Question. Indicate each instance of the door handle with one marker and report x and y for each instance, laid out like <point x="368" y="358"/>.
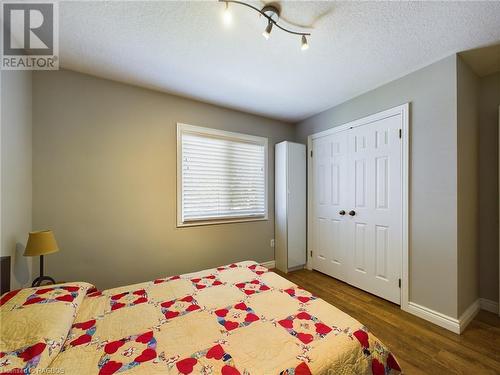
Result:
<point x="342" y="212"/>
<point x="352" y="212"/>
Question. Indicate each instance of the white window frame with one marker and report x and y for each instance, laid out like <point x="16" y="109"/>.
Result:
<point x="185" y="128"/>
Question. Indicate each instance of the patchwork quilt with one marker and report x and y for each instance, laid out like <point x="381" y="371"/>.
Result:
<point x="235" y="319"/>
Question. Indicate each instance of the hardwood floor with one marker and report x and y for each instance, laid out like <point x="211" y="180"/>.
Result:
<point x="421" y="347"/>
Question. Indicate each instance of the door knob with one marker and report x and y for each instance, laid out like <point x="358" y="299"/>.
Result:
<point x="342" y="212"/>
<point x="352" y="212"/>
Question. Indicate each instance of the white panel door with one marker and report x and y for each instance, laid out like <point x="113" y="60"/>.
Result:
<point x="329" y="210"/>
<point x="375" y="209"/>
<point x="358" y="171"/>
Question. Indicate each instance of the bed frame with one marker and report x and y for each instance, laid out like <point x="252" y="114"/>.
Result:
<point x="4" y="274"/>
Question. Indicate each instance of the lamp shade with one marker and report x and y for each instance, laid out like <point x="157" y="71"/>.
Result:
<point x="41" y="243"/>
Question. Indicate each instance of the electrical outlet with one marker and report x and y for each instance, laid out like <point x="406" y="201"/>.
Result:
<point x="272" y="242"/>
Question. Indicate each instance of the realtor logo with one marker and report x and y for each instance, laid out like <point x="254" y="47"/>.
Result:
<point x="30" y="36"/>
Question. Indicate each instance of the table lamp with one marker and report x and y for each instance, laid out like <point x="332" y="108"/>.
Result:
<point x="41" y="243"/>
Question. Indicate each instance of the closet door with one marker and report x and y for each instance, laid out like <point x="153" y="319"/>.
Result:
<point x="375" y="208"/>
<point x="357" y="206"/>
<point x="331" y="192"/>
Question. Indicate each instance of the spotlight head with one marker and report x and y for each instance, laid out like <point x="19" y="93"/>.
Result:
<point x="227" y="17"/>
<point x="304" y="44"/>
<point x="267" y="32"/>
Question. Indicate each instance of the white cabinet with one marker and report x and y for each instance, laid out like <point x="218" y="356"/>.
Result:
<point x="290" y="206"/>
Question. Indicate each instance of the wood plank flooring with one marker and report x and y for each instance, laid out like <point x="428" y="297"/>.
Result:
<point x="421" y="347"/>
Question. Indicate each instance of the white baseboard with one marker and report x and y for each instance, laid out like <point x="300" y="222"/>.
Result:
<point x="468" y="315"/>
<point x="488" y="305"/>
<point x="269" y="264"/>
<point x="435" y="317"/>
<point x="452" y="324"/>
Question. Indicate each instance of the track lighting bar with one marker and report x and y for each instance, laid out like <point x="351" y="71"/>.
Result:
<point x="271" y="21"/>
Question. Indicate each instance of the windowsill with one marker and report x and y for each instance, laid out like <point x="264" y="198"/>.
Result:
<point x="217" y="222"/>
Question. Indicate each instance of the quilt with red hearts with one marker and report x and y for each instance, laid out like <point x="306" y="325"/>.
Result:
<point x="234" y="319"/>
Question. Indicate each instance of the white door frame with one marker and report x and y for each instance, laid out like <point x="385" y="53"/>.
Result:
<point x="404" y="111"/>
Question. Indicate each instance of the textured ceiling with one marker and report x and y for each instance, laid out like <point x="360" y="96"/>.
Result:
<point x="184" y="48"/>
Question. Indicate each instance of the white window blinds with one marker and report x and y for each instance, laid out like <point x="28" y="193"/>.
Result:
<point x="223" y="175"/>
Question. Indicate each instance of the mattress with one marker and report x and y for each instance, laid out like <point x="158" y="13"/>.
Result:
<point x="235" y="319"/>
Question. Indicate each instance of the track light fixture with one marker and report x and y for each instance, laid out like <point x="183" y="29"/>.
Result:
<point x="272" y="14"/>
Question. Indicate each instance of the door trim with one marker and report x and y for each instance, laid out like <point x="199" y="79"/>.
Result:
<point x="404" y="111"/>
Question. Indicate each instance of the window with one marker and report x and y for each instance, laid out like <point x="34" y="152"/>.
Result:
<point x="221" y="176"/>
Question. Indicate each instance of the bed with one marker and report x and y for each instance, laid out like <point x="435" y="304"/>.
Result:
<point x="235" y="319"/>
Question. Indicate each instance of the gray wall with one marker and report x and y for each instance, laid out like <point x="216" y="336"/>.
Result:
<point x="468" y="186"/>
<point x="104" y="179"/>
<point x="433" y="173"/>
<point x="16" y="176"/>
<point x="488" y="185"/>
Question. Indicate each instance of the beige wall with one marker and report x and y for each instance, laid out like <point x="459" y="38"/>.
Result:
<point x="16" y="176"/>
<point x="433" y="173"/>
<point x="468" y="186"/>
<point x="488" y="184"/>
<point x="104" y="179"/>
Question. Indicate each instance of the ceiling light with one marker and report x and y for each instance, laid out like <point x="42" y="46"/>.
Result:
<point x="227" y="16"/>
<point x="267" y="32"/>
<point x="304" y="45"/>
<point x="272" y="13"/>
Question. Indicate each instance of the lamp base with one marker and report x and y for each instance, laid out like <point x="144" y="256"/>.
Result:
<point x="38" y="281"/>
